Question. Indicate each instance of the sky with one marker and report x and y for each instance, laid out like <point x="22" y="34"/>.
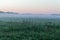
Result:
<point x="30" y="6"/>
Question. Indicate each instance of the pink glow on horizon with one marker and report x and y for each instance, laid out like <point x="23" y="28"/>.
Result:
<point x="30" y="6"/>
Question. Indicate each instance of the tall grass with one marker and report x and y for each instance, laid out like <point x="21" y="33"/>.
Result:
<point x="29" y="29"/>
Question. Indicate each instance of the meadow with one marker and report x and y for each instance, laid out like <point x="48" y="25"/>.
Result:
<point x="30" y="29"/>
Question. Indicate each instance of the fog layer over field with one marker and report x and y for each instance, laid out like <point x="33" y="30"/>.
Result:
<point x="13" y="15"/>
<point x="17" y="16"/>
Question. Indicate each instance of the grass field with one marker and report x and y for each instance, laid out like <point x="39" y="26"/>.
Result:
<point x="30" y="29"/>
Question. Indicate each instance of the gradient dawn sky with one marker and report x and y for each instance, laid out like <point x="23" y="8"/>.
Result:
<point x="33" y="6"/>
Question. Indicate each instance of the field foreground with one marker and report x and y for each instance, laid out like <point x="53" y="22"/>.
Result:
<point x="30" y="30"/>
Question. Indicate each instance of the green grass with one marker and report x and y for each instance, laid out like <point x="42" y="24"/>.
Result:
<point x="30" y="30"/>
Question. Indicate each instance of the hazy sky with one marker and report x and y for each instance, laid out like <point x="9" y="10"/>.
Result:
<point x="30" y="5"/>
